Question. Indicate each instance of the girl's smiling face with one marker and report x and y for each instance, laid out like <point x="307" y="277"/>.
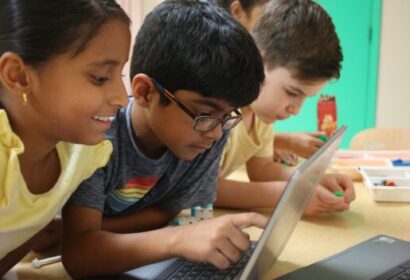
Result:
<point x="73" y="97"/>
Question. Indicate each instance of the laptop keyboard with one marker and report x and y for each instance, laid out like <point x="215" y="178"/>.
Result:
<point x="201" y="271"/>
<point x="401" y="272"/>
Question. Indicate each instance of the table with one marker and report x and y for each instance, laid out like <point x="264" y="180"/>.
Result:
<point x="318" y="237"/>
<point x="314" y="238"/>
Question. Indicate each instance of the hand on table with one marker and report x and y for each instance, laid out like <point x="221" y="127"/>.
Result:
<point x="324" y="199"/>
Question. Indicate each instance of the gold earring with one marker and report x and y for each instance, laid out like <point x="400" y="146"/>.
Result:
<point x="25" y="100"/>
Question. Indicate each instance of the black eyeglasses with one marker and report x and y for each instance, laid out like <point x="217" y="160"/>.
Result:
<point x="201" y="123"/>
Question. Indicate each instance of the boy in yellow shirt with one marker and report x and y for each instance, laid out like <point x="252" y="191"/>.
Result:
<point x="301" y="54"/>
<point x="287" y="146"/>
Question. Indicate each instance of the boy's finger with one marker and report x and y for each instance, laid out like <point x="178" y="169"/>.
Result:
<point x="317" y="133"/>
<point x="219" y="260"/>
<point x="350" y="194"/>
<point x="245" y="220"/>
<point x="239" y="240"/>
<point x="329" y="198"/>
<point x="317" y="142"/>
<point x="230" y="251"/>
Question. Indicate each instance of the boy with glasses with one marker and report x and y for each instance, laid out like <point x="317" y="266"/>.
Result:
<point x="192" y="67"/>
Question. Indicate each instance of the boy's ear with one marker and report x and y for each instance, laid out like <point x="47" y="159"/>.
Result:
<point x="237" y="11"/>
<point x="14" y="74"/>
<point x="142" y="89"/>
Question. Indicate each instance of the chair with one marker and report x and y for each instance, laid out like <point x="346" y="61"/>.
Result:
<point x="381" y="139"/>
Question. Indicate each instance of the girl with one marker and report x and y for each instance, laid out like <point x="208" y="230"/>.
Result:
<point x="60" y="84"/>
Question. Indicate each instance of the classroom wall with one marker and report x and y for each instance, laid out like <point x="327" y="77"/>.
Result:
<point x="136" y="10"/>
<point x="393" y="102"/>
<point x="393" y="98"/>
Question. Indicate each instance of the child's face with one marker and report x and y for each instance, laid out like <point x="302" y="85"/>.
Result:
<point x="246" y="19"/>
<point x="174" y="128"/>
<point x="249" y="21"/>
<point x="72" y="97"/>
<point x="283" y="95"/>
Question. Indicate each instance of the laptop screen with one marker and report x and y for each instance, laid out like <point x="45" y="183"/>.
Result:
<point x="290" y="207"/>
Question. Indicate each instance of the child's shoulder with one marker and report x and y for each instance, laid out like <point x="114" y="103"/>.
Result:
<point x="8" y="139"/>
<point x="88" y="156"/>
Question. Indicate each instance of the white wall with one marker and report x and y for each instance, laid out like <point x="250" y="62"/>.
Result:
<point x="393" y="102"/>
<point x="136" y="10"/>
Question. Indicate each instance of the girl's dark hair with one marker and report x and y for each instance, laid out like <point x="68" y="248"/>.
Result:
<point x="247" y="5"/>
<point x="38" y="30"/>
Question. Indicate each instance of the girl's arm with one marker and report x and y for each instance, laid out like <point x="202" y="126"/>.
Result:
<point x="12" y="258"/>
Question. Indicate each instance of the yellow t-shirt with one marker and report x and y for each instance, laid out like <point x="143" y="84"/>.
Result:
<point x="242" y="146"/>
<point x="23" y="214"/>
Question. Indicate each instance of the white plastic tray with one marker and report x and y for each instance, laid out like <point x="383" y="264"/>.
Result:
<point x="375" y="177"/>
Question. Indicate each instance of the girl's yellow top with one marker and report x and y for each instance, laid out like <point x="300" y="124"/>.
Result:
<point x="23" y="214"/>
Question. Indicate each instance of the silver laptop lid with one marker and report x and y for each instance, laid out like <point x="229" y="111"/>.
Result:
<point x="290" y="207"/>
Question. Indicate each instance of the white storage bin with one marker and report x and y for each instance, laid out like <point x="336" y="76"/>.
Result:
<point x="375" y="177"/>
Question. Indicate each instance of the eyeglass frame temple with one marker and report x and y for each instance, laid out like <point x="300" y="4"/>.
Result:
<point x="172" y="98"/>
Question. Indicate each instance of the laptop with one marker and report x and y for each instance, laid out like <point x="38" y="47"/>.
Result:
<point x="255" y="263"/>
<point x="379" y="258"/>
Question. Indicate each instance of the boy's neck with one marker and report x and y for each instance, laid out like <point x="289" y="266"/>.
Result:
<point x="143" y="135"/>
<point x="248" y="117"/>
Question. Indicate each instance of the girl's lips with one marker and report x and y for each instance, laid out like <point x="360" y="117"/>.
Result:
<point x="104" y="119"/>
<point x="105" y="122"/>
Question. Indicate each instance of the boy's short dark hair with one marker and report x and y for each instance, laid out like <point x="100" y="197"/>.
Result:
<point x="193" y="45"/>
<point x="299" y="35"/>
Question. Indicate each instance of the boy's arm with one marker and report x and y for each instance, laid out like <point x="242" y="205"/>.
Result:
<point x="246" y="195"/>
<point x="234" y="194"/>
<point x="87" y="250"/>
<point x="146" y="219"/>
<point x="263" y="169"/>
<point x="302" y="144"/>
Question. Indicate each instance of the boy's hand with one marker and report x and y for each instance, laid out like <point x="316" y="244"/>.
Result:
<point x="339" y="182"/>
<point x="325" y="201"/>
<point x="305" y="144"/>
<point x="285" y="156"/>
<point x="219" y="241"/>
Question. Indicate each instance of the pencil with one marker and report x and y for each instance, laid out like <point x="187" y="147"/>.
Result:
<point x="37" y="263"/>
